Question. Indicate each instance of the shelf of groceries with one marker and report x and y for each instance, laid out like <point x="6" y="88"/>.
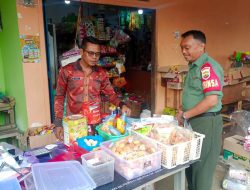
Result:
<point x="124" y="151"/>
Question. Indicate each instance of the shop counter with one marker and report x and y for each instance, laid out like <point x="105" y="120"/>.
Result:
<point x="120" y="183"/>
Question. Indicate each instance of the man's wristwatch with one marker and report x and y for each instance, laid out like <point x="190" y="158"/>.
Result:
<point x="184" y="115"/>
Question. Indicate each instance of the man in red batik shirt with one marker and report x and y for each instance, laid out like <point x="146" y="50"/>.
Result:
<point x="82" y="82"/>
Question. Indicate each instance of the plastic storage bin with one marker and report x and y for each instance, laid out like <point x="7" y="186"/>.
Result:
<point x="100" y="166"/>
<point x="131" y="169"/>
<point x="61" y="176"/>
<point x="106" y="136"/>
<point x="13" y="150"/>
<point x="10" y="184"/>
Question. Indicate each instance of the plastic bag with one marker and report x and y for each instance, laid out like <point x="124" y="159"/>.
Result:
<point x="145" y="114"/>
<point x="238" y="174"/>
<point x="187" y="125"/>
<point x="228" y="184"/>
<point x="242" y="119"/>
<point x="236" y="178"/>
<point x="180" y="135"/>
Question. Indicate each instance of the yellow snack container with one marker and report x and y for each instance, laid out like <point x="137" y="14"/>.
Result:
<point x="75" y="126"/>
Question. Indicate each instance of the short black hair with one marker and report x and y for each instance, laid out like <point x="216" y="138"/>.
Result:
<point x="198" y="35"/>
<point x="89" y="39"/>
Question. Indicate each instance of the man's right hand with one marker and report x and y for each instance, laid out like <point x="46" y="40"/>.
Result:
<point x="59" y="133"/>
<point x="179" y="117"/>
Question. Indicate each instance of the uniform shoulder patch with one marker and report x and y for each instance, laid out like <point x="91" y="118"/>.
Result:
<point x="210" y="80"/>
<point x="205" y="72"/>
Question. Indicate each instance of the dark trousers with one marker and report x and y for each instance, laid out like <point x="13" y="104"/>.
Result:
<point x="92" y="129"/>
<point x="200" y="174"/>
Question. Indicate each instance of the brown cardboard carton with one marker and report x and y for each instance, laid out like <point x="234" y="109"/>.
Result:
<point x="233" y="149"/>
<point x="135" y="108"/>
<point x="233" y="93"/>
<point x="247" y="97"/>
<point x="173" y="75"/>
<point x="105" y="108"/>
<point x="173" y="69"/>
<point x="35" y="141"/>
<point x="174" y="85"/>
<point x="237" y="75"/>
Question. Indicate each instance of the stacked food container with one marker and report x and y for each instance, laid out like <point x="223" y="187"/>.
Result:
<point x="134" y="156"/>
<point x="59" y="176"/>
<point x="100" y="166"/>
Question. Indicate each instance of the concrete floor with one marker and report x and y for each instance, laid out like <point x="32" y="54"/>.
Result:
<point x="167" y="184"/>
<point x="220" y="172"/>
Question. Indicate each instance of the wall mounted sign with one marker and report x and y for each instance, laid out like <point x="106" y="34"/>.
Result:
<point x="30" y="48"/>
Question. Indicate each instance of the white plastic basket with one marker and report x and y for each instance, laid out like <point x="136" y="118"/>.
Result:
<point x="174" y="155"/>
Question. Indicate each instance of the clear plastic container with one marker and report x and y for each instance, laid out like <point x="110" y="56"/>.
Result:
<point x="61" y="176"/>
<point x="8" y="147"/>
<point x="100" y="166"/>
<point x="10" y="184"/>
<point x="131" y="169"/>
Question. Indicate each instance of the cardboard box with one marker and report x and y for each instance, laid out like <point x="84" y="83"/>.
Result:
<point x="233" y="93"/>
<point x="233" y="149"/>
<point x="173" y="69"/>
<point x="237" y="75"/>
<point x="173" y="75"/>
<point x="247" y="96"/>
<point x="133" y="105"/>
<point x="174" y="85"/>
<point x="40" y="140"/>
<point x="105" y="108"/>
<point x="135" y="108"/>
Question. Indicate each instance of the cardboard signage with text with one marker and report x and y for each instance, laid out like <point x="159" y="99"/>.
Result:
<point x="233" y="149"/>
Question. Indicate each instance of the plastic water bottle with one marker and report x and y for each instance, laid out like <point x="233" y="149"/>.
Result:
<point x="231" y="185"/>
